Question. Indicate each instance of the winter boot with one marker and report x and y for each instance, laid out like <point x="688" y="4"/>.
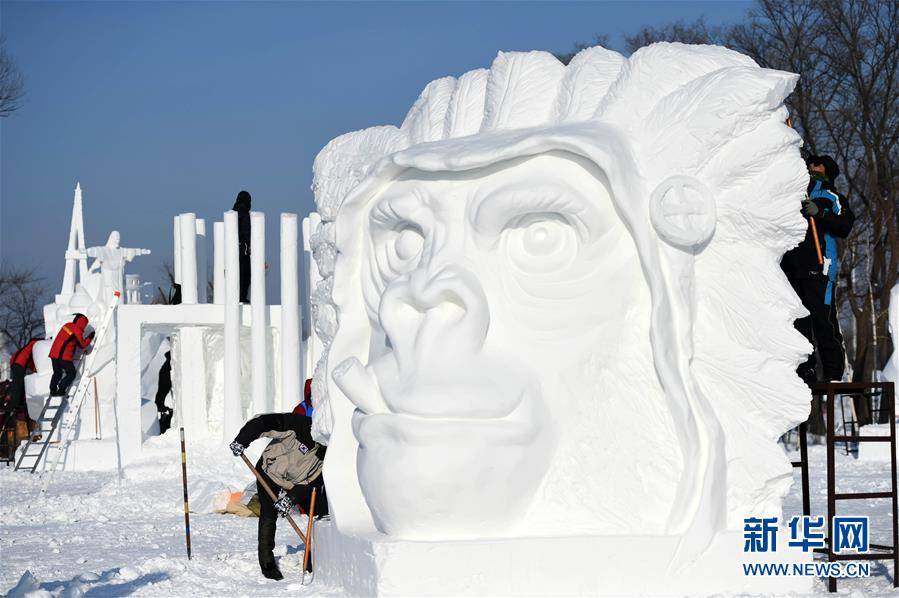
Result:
<point x="271" y="571"/>
<point x="165" y="419"/>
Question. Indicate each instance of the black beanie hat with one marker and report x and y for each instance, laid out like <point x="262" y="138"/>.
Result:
<point x="830" y="165"/>
<point x="242" y="203"/>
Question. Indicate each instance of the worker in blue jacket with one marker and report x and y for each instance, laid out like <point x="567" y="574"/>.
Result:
<point x="815" y="280"/>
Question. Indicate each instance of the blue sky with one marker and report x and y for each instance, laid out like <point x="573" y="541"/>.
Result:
<point x="166" y="107"/>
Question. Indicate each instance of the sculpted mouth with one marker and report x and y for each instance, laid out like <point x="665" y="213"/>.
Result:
<point x="360" y="386"/>
<point x="374" y="419"/>
<point x="428" y="431"/>
<point x="468" y="397"/>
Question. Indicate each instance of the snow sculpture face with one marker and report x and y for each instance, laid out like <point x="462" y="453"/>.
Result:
<point x="457" y="266"/>
<point x="547" y="301"/>
<point x="113" y="240"/>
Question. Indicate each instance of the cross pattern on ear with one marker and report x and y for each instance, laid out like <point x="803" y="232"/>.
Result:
<point x="682" y="211"/>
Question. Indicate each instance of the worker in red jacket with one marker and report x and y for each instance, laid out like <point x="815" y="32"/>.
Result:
<point x="20" y="364"/>
<point x="305" y="408"/>
<point x="62" y="353"/>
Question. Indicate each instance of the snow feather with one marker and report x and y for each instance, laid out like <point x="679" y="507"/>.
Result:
<point x="521" y="90"/>
<point x="466" y="107"/>
<point x="690" y="124"/>
<point x="424" y="122"/>
<point x="653" y="72"/>
<point x="587" y="79"/>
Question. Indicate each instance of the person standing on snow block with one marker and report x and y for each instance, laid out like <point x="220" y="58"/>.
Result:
<point x="62" y="353"/>
<point x="19" y="365"/>
<point x="291" y="463"/>
<point x="815" y="283"/>
<point x="242" y="207"/>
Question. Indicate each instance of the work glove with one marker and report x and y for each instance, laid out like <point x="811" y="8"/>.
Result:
<point x="283" y="505"/>
<point x="810" y="208"/>
<point x="237" y="448"/>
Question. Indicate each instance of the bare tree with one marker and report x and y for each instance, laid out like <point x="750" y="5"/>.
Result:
<point x="162" y="297"/>
<point x="697" y="32"/>
<point x="12" y="82"/>
<point x="21" y="300"/>
<point x="165" y="297"/>
<point x="598" y="40"/>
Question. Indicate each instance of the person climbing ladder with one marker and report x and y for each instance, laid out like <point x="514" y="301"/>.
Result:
<point x="62" y="353"/>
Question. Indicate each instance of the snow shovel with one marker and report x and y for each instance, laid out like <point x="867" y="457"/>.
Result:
<point x="273" y="496"/>
<point x="307" y="551"/>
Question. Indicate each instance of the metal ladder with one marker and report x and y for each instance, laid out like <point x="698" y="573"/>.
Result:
<point x="831" y="390"/>
<point x="63" y="410"/>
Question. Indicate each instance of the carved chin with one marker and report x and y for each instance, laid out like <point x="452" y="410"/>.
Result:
<point x="430" y="478"/>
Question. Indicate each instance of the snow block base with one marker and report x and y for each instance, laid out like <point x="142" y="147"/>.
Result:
<point x="568" y="566"/>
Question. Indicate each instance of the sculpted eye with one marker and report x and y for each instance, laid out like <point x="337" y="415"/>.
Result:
<point x="540" y="242"/>
<point x="408" y="244"/>
<point x="399" y="250"/>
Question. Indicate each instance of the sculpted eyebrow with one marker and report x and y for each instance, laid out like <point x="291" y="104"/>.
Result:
<point x="393" y="208"/>
<point x="497" y="207"/>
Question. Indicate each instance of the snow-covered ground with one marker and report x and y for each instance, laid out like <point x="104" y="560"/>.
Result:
<point x="94" y="535"/>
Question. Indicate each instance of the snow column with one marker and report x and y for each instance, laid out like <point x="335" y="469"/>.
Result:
<point x="188" y="259"/>
<point x="262" y="403"/>
<point x="202" y="265"/>
<point x="188" y="381"/>
<point x="290" y="324"/>
<point x="313" y="348"/>
<point x="233" y="416"/>
<point x="177" y="257"/>
<point x="218" y="263"/>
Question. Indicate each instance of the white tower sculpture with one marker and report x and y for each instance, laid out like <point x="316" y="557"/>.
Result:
<point x="76" y="242"/>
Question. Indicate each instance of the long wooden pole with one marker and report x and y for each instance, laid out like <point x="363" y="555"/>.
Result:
<point x="307" y="550"/>
<point x="184" y="482"/>
<point x="273" y="496"/>
<point x="811" y="220"/>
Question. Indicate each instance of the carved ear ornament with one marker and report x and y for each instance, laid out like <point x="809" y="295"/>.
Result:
<point x="682" y="211"/>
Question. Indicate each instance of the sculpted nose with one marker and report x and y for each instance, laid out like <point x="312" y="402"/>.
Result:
<point x="435" y="312"/>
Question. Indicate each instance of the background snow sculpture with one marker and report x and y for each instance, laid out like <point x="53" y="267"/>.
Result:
<point x="111" y="259"/>
<point x="556" y="290"/>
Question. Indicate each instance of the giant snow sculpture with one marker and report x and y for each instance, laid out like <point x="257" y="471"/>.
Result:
<point x="552" y="304"/>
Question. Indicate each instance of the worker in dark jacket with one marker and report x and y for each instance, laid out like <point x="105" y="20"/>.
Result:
<point x="163" y="388"/>
<point x="291" y="464"/>
<point x="242" y="207"/>
<point x="21" y="363"/>
<point x="815" y="282"/>
<point x="62" y="353"/>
